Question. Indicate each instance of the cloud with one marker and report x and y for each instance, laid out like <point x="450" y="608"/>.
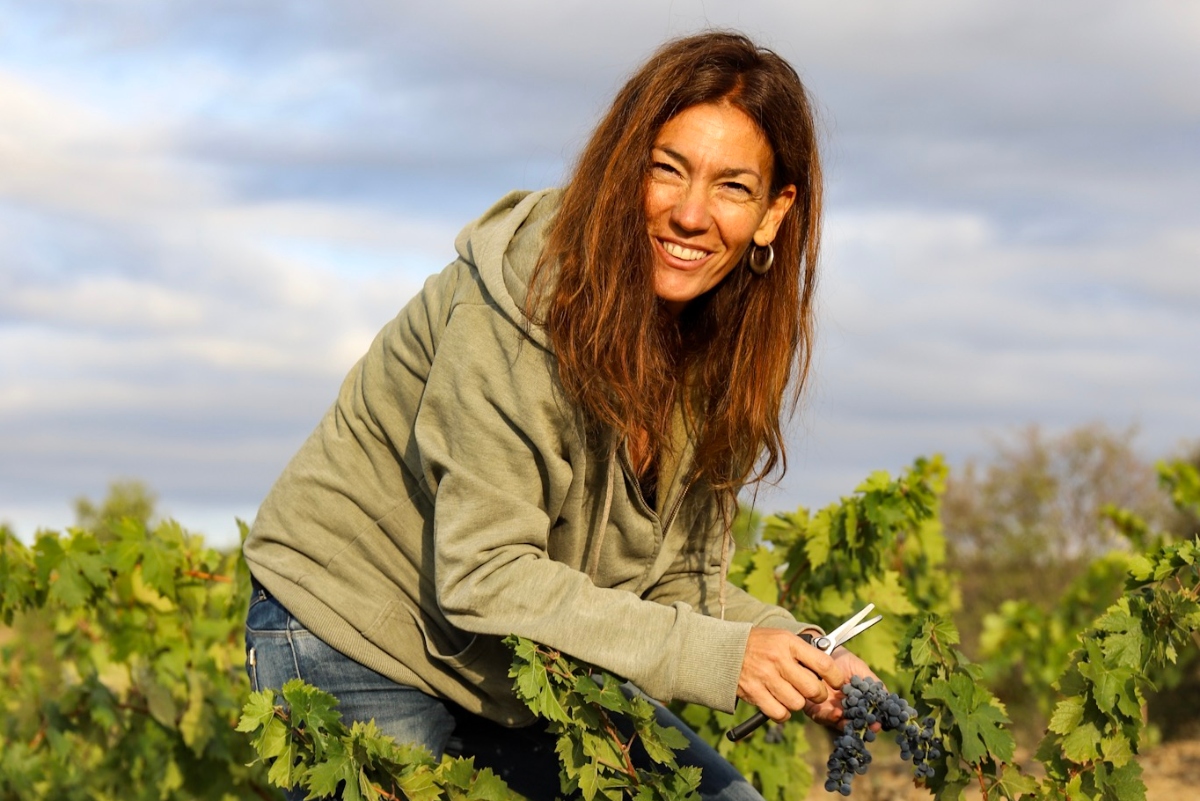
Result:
<point x="208" y="208"/>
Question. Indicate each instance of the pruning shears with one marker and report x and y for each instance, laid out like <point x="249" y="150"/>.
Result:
<point x="839" y="636"/>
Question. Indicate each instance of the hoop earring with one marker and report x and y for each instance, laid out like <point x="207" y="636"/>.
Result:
<point x="758" y="263"/>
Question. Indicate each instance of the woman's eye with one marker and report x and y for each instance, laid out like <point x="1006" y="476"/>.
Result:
<point x="660" y="166"/>
<point x="740" y="188"/>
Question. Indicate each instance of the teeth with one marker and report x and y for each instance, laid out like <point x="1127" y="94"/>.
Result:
<point x="680" y="252"/>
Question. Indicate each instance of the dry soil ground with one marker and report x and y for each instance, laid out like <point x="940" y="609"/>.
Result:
<point x="1171" y="772"/>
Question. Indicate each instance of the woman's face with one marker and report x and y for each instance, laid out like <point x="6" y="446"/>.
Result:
<point x="707" y="199"/>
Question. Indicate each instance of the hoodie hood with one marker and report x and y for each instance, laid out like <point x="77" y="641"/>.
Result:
<point x="504" y="246"/>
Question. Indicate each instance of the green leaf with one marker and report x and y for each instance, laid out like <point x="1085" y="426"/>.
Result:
<point x="1141" y="567"/>
<point x="926" y="636"/>
<point x="1108" y="684"/>
<point x="324" y="777"/>
<point x="1122" y="646"/>
<point x="489" y="787"/>
<point x="259" y="708"/>
<point x="159" y="563"/>
<point x="1067" y="715"/>
<point x="818" y="542"/>
<point x="761" y="581"/>
<point x="609" y="697"/>
<point x="879" y="480"/>
<point x="1014" y="784"/>
<point x="159" y="701"/>
<point x="1116" y="749"/>
<point x="273" y="740"/>
<point x="283" y="770"/>
<point x="1083" y="744"/>
<point x="172" y="779"/>
<point x="888" y="596"/>
<point x="1125" y="784"/>
<point x="196" y="725"/>
<point x="851" y="525"/>
<point x="458" y="772"/>
<point x="69" y="586"/>
<point x="419" y="786"/>
<point x="977" y="716"/>
<point x="589" y="780"/>
<point x="661" y="743"/>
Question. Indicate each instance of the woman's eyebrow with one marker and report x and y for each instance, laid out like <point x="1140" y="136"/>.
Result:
<point x="728" y="172"/>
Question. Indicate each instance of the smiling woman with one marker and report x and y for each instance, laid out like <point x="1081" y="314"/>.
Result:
<point x="549" y="440"/>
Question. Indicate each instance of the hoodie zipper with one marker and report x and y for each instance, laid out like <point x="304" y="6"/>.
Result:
<point x="666" y="522"/>
<point x="670" y="518"/>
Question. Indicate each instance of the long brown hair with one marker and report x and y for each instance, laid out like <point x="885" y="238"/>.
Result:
<point x="733" y="352"/>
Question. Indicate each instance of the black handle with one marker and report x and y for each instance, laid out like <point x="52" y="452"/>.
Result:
<point x="749" y="726"/>
<point x="746" y="727"/>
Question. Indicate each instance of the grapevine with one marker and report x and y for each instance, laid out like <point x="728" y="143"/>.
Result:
<point x="300" y="734"/>
<point x="597" y="725"/>
<point x="123" y="671"/>
<point x="881" y="544"/>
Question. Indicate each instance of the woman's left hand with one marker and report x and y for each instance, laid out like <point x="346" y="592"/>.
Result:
<point x="829" y="712"/>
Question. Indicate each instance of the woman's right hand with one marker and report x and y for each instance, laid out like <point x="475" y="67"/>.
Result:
<point x="781" y="673"/>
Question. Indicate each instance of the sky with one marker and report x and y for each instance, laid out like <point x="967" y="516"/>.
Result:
<point x="207" y="209"/>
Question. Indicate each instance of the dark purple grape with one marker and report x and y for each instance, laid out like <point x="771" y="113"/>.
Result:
<point x="866" y="702"/>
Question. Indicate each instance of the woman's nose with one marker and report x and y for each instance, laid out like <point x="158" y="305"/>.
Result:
<point x="691" y="211"/>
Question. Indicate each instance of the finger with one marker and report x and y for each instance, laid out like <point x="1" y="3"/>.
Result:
<point x="807" y="684"/>
<point x="820" y="663"/>
<point x="827" y="714"/>
<point x="767" y="703"/>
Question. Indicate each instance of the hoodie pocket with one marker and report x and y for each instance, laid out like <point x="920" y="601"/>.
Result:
<point x="399" y="628"/>
<point x="465" y="666"/>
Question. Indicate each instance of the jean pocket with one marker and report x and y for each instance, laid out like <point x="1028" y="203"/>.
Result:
<point x="266" y="614"/>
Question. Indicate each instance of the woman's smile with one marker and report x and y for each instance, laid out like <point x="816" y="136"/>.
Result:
<point x="683" y="253"/>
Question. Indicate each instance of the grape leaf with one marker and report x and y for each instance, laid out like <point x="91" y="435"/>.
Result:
<point x="1014" y="784"/>
<point x="1116" y="749"/>
<point x="196" y="725"/>
<point x="889" y="597"/>
<point x="977" y="716"/>
<point x="487" y="786"/>
<point x="258" y="709"/>
<point x="324" y="777"/>
<point x="761" y="581"/>
<point x="818" y="542"/>
<point x="1067" y="715"/>
<point x="1082" y="745"/>
<point x="1125" y="784"/>
<point x="589" y="780"/>
<point x="419" y="786"/>
<point x="850" y="524"/>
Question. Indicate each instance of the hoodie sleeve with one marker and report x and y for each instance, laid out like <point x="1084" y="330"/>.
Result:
<point x="696" y="577"/>
<point x="497" y="441"/>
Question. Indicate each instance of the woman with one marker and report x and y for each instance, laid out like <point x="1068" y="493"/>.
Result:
<point x="550" y="438"/>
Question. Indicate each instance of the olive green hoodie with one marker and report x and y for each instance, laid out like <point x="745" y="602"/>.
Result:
<point x="451" y="496"/>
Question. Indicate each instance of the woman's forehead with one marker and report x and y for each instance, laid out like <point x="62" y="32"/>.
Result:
<point x="718" y="135"/>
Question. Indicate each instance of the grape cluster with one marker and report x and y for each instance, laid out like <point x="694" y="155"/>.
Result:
<point x="866" y="702"/>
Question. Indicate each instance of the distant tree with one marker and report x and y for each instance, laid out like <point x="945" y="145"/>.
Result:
<point x="1185" y="521"/>
<point x="1026" y="522"/>
<point x="126" y="500"/>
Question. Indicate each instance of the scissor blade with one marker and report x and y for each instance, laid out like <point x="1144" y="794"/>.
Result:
<point x="838" y="634"/>
<point x="842" y="639"/>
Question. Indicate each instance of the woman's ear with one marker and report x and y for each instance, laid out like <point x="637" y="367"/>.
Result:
<point x="776" y="210"/>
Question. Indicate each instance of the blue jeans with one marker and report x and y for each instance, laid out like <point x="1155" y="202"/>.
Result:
<point x="279" y="648"/>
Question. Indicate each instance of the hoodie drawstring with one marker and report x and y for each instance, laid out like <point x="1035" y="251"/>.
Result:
<point x="726" y="550"/>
